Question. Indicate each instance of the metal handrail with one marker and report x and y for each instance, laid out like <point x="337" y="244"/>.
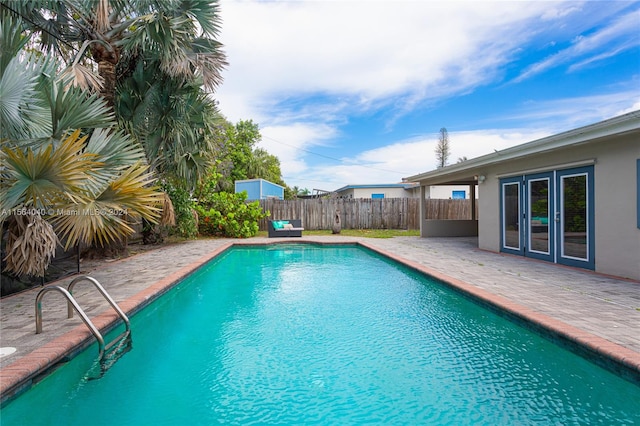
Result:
<point x="102" y="291"/>
<point x="70" y="303"/>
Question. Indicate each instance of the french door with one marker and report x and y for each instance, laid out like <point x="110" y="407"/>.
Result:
<point x="549" y="216"/>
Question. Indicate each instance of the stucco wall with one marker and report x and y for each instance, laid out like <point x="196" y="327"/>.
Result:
<point x="388" y="192"/>
<point x="616" y="229"/>
<point x="446" y="191"/>
<point x="617" y="237"/>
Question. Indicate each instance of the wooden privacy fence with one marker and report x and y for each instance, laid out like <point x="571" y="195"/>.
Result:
<point x="363" y="213"/>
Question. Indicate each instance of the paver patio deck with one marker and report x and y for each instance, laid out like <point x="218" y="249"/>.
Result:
<point x="600" y="310"/>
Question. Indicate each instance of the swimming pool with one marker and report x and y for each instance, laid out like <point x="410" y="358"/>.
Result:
<point x="337" y="335"/>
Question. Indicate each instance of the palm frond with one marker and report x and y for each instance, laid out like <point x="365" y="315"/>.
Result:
<point x="53" y="22"/>
<point x="22" y="110"/>
<point x="205" y="12"/>
<point x="114" y="151"/>
<point x="73" y="108"/>
<point x="80" y="75"/>
<point x="104" y="219"/>
<point x="42" y="178"/>
<point x="91" y="222"/>
<point x="31" y="243"/>
<point x="102" y="21"/>
<point x="168" y="217"/>
<point x="12" y="39"/>
<point x="208" y="58"/>
<point x="134" y="192"/>
<point x="114" y="148"/>
<point x="83" y="77"/>
<point x="169" y="36"/>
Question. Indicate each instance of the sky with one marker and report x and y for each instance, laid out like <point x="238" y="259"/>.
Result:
<point x="355" y="92"/>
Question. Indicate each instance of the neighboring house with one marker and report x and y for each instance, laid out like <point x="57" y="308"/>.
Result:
<point x="453" y="192"/>
<point x="571" y="198"/>
<point x="259" y="189"/>
<point x="389" y="190"/>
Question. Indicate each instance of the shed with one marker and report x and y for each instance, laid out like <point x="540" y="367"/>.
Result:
<point x="259" y="189"/>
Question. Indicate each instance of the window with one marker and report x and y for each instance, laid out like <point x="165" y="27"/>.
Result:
<point x="377" y="195"/>
<point x="459" y="195"/>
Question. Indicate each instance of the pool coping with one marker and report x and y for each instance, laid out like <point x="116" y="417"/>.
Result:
<point x="20" y="375"/>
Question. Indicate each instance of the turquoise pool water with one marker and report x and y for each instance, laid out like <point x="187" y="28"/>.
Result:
<point x="315" y="335"/>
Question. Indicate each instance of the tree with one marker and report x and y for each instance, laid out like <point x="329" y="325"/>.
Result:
<point x="174" y="122"/>
<point x="152" y="57"/>
<point x="234" y="154"/>
<point x="265" y="166"/>
<point x="442" y="148"/>
<point x="179" y="35"/>
<point x="67" y="173"/>
<point x="149" y="60"/>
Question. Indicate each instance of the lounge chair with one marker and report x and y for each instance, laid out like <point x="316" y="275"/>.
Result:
<point x="285" y="228"/>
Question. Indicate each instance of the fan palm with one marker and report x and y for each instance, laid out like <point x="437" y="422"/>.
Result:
<point x="178" y="34"/>
<point x="173" y="121"/>
<point x="152" y="57"/>
<point x="64" y="167"/>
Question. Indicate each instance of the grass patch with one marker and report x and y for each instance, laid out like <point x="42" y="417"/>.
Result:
<point x="365" y="233"/>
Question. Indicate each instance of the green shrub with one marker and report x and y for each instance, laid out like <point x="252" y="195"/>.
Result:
<point x="229" y="215"/>
<point x="183" y="207"/>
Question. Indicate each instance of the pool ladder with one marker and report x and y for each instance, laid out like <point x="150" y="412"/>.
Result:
<point x="109" y="353"/>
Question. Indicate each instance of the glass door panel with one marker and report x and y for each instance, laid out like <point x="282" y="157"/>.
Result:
<point x="539" y="216"/>
<point x="511" y="214"/>
<point x="575" y="199"/>
<point x="574" y="216"/>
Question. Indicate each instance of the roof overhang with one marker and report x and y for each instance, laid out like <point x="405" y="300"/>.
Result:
<point x="466" y="172"/>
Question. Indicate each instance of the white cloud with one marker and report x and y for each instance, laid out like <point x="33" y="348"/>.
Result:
<point x="366" y="51"/>
<point x="619" y="36"/>
<point x="290" y="143"/>
<point x="634" y="107"/>
<point x="302" y="69"/>
<point x="389" y="164"/>
<point x="568" y="113"/>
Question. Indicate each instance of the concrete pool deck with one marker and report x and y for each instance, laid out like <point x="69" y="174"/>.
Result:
<point x="598" y="313"/>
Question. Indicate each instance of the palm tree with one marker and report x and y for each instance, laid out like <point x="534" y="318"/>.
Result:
<point x="67" y="172"/>
<point x="105" y="43"/>
<point x="152" y="58"/>
<point x="264" y="165"/>
<point x="178" y="34"/>
<point x="173" y="121"/>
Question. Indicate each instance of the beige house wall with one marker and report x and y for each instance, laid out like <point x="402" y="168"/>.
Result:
<point x="617" y="237"/>
<point x="445" y="192"/>
<point x="616" y="229"/>
<point x="388" y="192"/>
